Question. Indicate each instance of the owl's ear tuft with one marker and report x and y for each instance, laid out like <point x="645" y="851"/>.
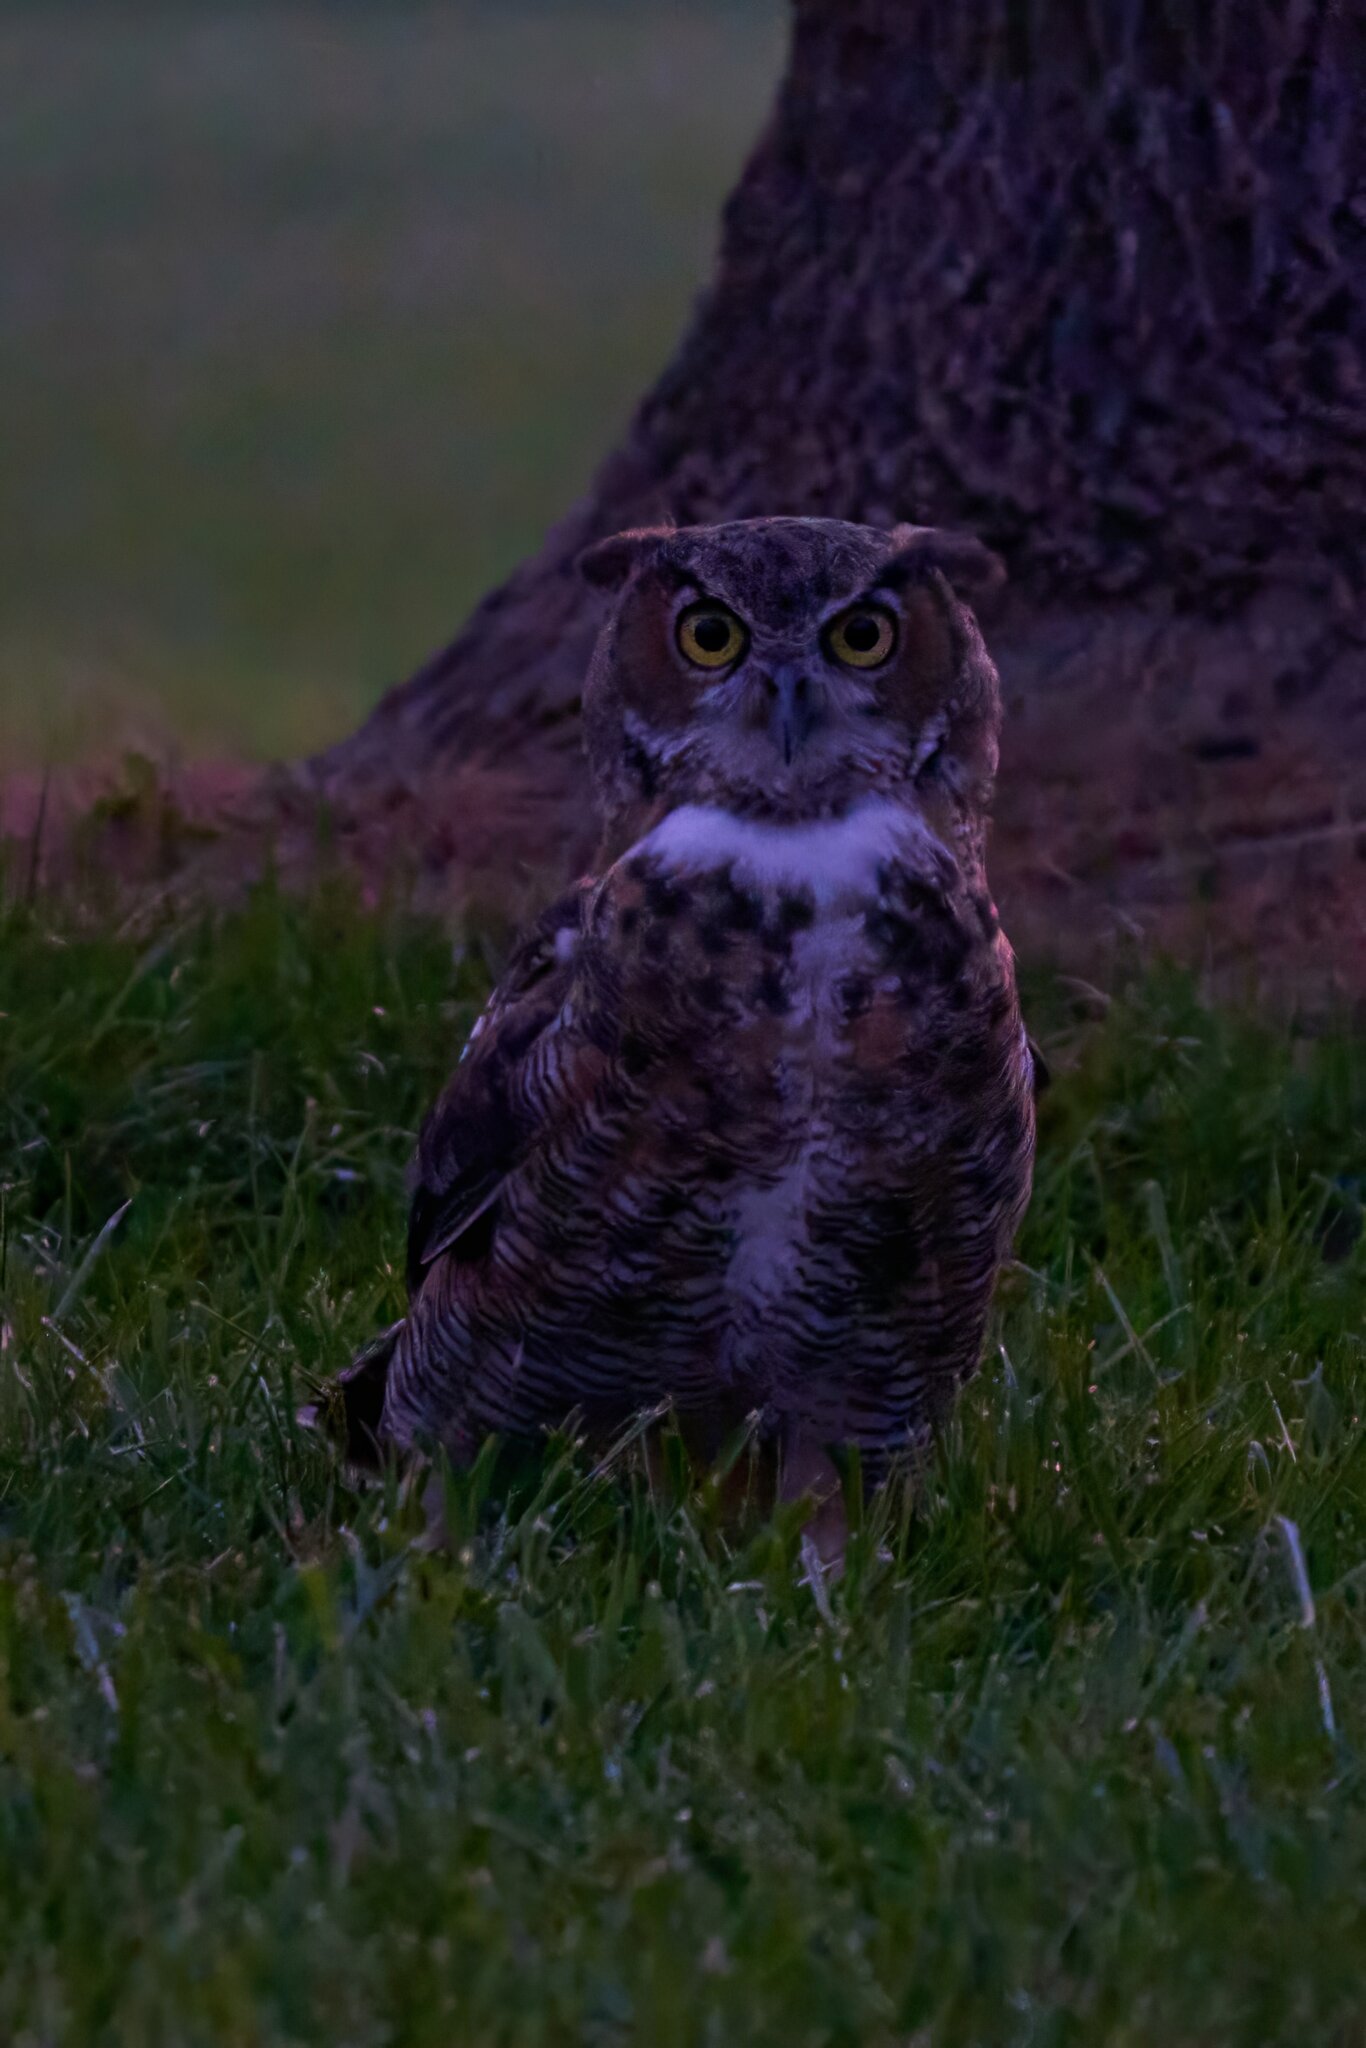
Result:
<point x="608" y="563"/>
<point x="967" y="565"/>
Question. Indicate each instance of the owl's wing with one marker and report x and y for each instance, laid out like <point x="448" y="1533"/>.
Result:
<point x="479" y="1128"/>
<point x="469" y="1143"/>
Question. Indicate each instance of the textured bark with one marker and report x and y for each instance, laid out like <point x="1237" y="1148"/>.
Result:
<point x="1089" y="278"/>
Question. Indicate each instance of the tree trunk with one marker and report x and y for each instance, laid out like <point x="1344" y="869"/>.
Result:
<point x="1085" y="276"/>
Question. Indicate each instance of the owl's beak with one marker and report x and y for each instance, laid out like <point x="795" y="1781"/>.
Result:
<point x="791" y="713"/>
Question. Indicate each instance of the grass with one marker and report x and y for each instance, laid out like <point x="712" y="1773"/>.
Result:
<point x="1072" y="1755"/>
<point x="314" y="314"/>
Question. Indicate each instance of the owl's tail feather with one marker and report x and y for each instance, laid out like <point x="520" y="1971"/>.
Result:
<point x="350" y="1408"/>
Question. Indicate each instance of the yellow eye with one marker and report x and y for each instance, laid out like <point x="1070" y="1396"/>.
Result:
<point x="710" y="636"/>
<point x="863" y="637"/>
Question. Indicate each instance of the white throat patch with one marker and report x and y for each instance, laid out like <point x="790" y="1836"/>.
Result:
<point x="835" y="858"/>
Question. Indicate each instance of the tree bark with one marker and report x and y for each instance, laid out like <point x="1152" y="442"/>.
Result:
<point x="1086" y="277"/>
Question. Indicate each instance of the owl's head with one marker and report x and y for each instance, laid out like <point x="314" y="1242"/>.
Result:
<point x="787" y="668"/>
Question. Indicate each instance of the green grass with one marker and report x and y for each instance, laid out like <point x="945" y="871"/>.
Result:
<point x="1067" y="1759"/>
<point x="314" y="314"/>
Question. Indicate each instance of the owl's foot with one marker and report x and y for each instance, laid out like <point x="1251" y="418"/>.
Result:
<point x="808" y="1473"/>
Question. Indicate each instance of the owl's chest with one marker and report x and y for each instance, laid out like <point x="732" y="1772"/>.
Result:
<point x="793" y="1006"/>
<point x="790" y="1041"/>
<point x="787" y="995"/>
<point x="784" y="972"/>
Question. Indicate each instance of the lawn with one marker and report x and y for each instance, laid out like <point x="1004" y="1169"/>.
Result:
<point x="313" y="315"/>
<point x="1072" y="1754"/>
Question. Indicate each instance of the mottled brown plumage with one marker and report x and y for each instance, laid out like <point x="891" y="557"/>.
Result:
<point x="748" y="1124"/>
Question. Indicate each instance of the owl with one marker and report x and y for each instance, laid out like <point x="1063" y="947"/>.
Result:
<point x="748" y="1124"/>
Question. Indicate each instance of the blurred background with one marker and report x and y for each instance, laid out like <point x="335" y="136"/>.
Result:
<point x="312" y="317"/>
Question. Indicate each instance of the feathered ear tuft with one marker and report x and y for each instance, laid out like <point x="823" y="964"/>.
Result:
<point x="966" y="564"/>
<point x="608" y="563"/>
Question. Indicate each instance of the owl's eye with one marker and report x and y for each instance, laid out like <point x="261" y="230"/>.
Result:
<point x="710" y="636"/>
<point x="863" y="637"/>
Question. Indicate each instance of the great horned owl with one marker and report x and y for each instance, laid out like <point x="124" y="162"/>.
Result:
<point x="748" y="1124"/>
